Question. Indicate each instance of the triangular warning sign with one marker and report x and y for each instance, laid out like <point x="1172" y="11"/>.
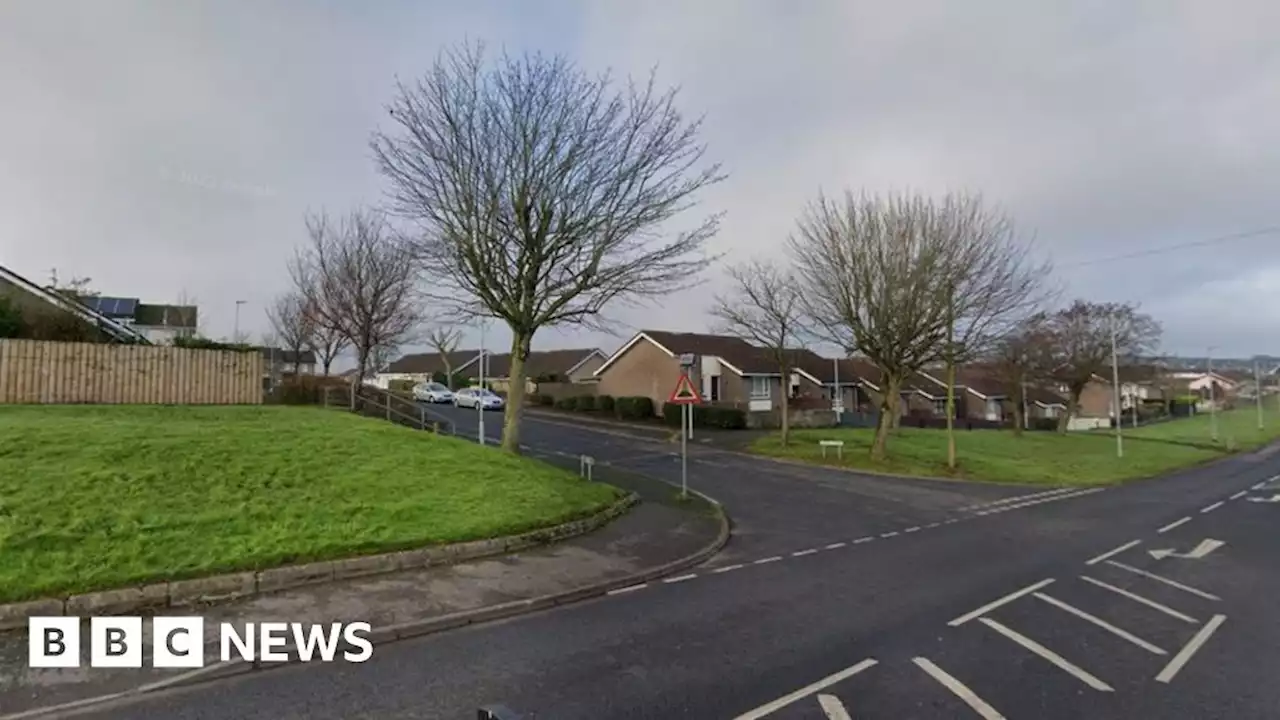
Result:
<point x="685" y="393"/>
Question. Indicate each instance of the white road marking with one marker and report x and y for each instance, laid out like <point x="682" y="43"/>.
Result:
<point x="806" y="691"/>
<point x="1048" y="654"/>
<point x="632" y="588"/>
<point x="1174" y="524"/>
<point x="1019" y="498"/>
<point x="997" y="603"/>
<point x="1212" y="507"/>
<point x="912" y="529"/>
<point x="680" y="578"/>
<point x="762" y="561"/>
<point x="1184" y="655"/>
<point x="932" y="525"/>
<point x="1041" y="501"/>
<point x="833" y="708"/>
<point x="889" y="534"/>
<point x="1165" y="580"/>
<point x="1118" y="632"/>
<point x="836" y="545"/>
<point x="1138" y="598"/>
<point x="861" y="540"/>
<point x="979" y="705"/>
<point x="802" y="553"/>
<point x="1240" y="494"/>
<point x="1115" y="551"/>
<point x="727" y="568"/>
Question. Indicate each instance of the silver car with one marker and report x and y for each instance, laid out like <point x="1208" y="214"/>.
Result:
<point x="432" y="392"/>
<point x="474" y="397"/>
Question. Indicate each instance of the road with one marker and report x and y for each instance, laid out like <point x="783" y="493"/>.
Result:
<point x="845" y="596"/>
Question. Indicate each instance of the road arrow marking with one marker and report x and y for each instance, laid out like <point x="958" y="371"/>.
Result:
<point x="1204" y="548"/>
<point x="833" y="708"/>
<point x="1273" y="498"/>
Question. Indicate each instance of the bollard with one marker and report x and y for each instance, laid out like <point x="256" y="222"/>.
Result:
<point x="497" y="712"/>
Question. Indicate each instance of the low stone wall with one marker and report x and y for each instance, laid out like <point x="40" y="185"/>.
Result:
<point x="221" y="588"/>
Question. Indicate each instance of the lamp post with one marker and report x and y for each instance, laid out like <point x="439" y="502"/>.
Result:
<point x="1213" y="400"/>
<point x="235" y="335"/>
<point x="480" y="401"/>
<point x="1115" y="389"/>
<point x="1257" y="391"/>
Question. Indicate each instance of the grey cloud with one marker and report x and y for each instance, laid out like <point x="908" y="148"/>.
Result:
<point x="171" y="147"/>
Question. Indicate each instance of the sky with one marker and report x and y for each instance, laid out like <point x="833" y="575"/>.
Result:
<point x="170" y="151"/>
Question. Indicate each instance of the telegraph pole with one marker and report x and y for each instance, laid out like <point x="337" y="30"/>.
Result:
<point x="1213" y="400"/>
<point x="1115" y="390"/>
<point x="1257" y="391"/>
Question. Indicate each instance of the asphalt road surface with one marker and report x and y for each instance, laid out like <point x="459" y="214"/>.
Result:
<point x="844" y="596"/>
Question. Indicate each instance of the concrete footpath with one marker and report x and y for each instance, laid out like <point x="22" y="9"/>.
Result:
<point x="660" y="535"/>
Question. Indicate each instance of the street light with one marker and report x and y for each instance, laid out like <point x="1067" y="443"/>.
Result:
<point x="235" y="336"/>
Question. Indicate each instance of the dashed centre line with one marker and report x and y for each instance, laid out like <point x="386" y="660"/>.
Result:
<point x="728" y="568"/>
<point x="763" y="561"/>
<point x="1174" y="524"/>
<point x="915" y="528"/>
<point x="1212" y="507"/>
<point x="890" y="534"/>
<point x="1240" y="494"/>
<point x="802" y="553"/>
<point x="680" y="578"/>
<point x="836" y="545"/>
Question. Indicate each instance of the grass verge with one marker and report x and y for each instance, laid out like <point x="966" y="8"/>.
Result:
<point x="1085" y="458"/>
<point x="94" y="497"/>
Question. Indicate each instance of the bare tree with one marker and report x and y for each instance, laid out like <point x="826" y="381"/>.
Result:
<point x="542" y="192"/>
<point x="357" y="277"/>
<point x="907" y="280"/>
<point x="444" y="339"/>
<point x="1081" y="342"/>
<point x="763" y="307"/>
<point x="1019" y="360"/>
<point x="187" y="315"/>
<point x="328" y="344"/>
<point x="294" y="324"/>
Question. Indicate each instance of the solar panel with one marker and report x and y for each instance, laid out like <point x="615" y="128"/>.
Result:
<point x="127" y="307"/>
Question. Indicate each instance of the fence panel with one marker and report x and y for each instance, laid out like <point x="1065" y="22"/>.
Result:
<point x="35" y="371"/>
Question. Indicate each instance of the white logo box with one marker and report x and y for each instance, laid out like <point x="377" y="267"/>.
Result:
<point x="188" y="642"/>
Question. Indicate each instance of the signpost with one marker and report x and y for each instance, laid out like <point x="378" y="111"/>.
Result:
<point x="686" y="396"/>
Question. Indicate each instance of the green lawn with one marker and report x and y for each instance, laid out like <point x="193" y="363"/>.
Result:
<point x="94" y="497"/>
<point x="1082" y="458"/>
<point x="1234" y="426"/>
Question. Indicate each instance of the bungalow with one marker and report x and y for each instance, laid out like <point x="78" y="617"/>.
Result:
<point x="727" y="371"/>
<point x="87" y="321"/>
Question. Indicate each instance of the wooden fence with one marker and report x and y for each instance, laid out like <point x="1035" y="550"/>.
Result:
<point x="33" y="371"/>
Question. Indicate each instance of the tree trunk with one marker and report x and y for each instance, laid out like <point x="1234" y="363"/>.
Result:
<point x="520" y="344"/>
<point x="1019" y="418"/>
<point x="951" y="415"/>
<point x="362" y="363"/>
<point x="327" y="363"/>
<point x="786" y="406"/>
<point x="1073" y="406"/>
<point x="887" y="419"/>
<point x="448" y="375"/>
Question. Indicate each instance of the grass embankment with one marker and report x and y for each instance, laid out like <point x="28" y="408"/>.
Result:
<point x="1080" y="458"/>
<point x="100" y="497"/>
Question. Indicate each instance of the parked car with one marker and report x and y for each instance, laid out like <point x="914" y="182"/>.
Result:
<point x="432" y="392"/>
<point x="478" y="397"/>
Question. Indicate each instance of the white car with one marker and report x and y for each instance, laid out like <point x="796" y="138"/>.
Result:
<point x="432" y="392"/>
<point x="478" y="397"/>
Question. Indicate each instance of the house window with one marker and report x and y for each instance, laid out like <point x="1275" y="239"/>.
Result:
<point x="940" y="407"/>
<point x="760" y="388"/>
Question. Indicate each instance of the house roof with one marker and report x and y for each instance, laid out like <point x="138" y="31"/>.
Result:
<point x="174" y="316"/>
<point x="737" y="354"/>
<point x="429" y="363"/>
<point x="68" y="303"/>
<point x="286" y="357"/>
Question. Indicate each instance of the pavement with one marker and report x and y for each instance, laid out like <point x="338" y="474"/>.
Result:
<point x="845" y="596"/>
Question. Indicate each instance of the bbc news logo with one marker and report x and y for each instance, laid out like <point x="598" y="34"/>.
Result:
<point x="179" y="642"/>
